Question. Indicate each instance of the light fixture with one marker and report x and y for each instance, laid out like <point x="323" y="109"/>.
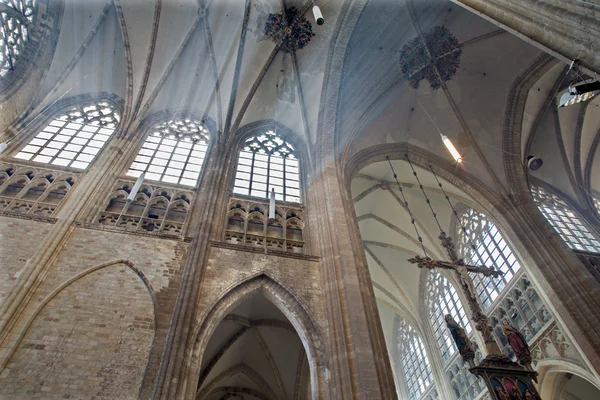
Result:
<point x="318" y="15"/>
<point x="451" y="148"/>
<point x="580" y="93"/>
<point x="136" y="187"/>
<point x="3" y="146"/>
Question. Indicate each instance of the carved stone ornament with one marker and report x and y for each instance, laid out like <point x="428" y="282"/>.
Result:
<point x="290" y="29"/>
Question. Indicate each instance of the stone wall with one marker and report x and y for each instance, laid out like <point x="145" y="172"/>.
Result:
<point x="98" y="320"/>
<point x="91" y="340"/>
<point x="228" y="267"/>
<point x="18" y="240"/>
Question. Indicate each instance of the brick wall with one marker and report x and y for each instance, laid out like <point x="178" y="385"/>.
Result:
<point x="18" y="240"/>
<point x="228" y="267"/>
<point x="94" y="337"/>
<point x="91" y="340"/>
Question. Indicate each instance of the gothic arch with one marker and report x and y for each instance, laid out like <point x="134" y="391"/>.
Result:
<point x="552" y="374"/>
<point x="294" y="310"/>
<point x="41" y="306"/>
<point x="74" y="279"/>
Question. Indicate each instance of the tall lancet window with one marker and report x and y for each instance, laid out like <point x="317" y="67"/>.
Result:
<point x="267" y="161"/>
<point x="414" y="361"/>
<point x="482" y="244"/>
<point x="74" y="138"/>
<point x="443" y="300"/>
<point x="565" y="221"/>
<point x="16" y="19"/>
<point x="173" y="152"/>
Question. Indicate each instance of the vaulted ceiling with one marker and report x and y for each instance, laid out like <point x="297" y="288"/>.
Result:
<point x="254" y="353"/>
<point x="214" y="57"/>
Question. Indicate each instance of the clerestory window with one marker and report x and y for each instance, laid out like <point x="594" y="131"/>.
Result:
<point x="414" y="361"/>
<point x="565" y="221"/>
<point x="74" y="138"/>
<point x="443" y="300"/>
<point x="173" y="152"/>
<point x="16" y="19"/>
<point x="268" y="162"/>
<point x="480" y="243"/>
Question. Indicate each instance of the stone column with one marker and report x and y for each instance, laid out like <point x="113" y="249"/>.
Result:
<point x="360" y="362"/>
<point x="567" y="29"/>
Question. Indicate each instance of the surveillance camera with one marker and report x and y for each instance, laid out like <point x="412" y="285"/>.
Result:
<point x="534" y="163"/>
<point x="318" y="15"/>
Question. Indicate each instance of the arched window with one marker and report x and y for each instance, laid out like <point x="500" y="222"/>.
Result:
<point x="74" y="138"/>
<point x="173" y="152"/>
<point x="565" y="221"/>
<point x="443" y="300"/>
<point x="414" y="361"/>
<point x="480" y="243"/>
<point x="266" y="162"/>
<point x="16" y="18"/>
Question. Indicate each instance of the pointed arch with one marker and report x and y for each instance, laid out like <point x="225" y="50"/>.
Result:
<point x="137" y="324"/>
<point x="74" y="279"/>
<point x="294" y="310"/>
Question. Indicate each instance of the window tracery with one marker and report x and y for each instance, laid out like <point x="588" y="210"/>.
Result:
<point x="74" y="138"/>
<point x="154" y="209"/>
<point x="16" y="17"/>
<point x="27" y="190"/>
<point x="525" y="310"/>
<point x="414" y="361"/>
<point x="481" y="243"/>
<point x="565" y="221"/>
<point x="443" y="300"/>
<point x="248" y="224"/>
<point x="268" y="162"/>
<point x="174" y="152"/>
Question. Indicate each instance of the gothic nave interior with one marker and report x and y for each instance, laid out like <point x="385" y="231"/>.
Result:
<point x="293" y="199"/>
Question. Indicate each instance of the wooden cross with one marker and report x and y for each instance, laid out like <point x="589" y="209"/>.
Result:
<point x="462" y="271"/>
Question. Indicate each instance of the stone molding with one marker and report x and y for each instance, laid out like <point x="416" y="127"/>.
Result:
<point x="100" y="227"/>
<point x="31" y="217"/>
<point x="259" y="250"/>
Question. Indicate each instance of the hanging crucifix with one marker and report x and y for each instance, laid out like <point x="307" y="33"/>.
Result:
<point x="504" y="378"/>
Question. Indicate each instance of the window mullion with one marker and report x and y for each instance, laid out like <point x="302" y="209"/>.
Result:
<point x="268" y="194"/>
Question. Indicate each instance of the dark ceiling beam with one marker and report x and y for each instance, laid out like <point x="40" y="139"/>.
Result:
<point x="271" y="361"/>
<point x="255" y="85"/>
<point x="149" y="59"/>
<point x="241" y="368"/>
<point x="240" y="390"/>
<point x="549" y="102"/>
<point x="216" y="93"/>
<point x="167" y="72"/>
<point x="238" y="67"/>
<point x="213" y="362"/>
<point x="127" y="114"/>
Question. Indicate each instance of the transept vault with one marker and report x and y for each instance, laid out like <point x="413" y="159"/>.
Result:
<point x="217" y="199"/>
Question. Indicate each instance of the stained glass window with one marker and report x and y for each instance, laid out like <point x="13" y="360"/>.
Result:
<point x="443" y="300"/>
<point x="16" y="17"/>
<point x="268" y="162"/>
<point x="482" y="244"/>
<point x="74" y="138"/>
<point x="414" y="361"/>
<point x="173" y="152"/>
<point x="565" y="221"/>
